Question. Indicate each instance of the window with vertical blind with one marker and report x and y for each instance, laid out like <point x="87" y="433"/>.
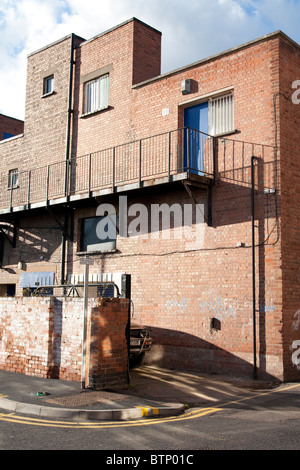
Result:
<point x="96" y="94"/>
<point x="221" y="115"/>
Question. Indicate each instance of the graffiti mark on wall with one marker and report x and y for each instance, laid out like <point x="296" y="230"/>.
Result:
<point x="296" y="344"/>
<point x="266" y="308"/>
<point x="296" y="354"/>
<point x="296" y="323"/>
<point x="177" y="305"/>
<point x="219" y="308"/>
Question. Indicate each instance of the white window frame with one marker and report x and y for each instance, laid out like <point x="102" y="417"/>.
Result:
<point x="221" y="114"/>
<point x="13" y="178"/>
<point x="96" y="94"/>
<point x="48" y="85"/>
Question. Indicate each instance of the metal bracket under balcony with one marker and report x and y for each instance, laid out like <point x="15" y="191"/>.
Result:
<point x="181" y="155"/>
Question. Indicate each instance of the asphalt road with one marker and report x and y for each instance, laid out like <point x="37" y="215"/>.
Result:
<point x="266" y="421"/>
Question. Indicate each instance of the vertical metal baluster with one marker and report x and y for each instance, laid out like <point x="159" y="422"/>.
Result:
<point x="140" y="162"/>
<point x="47" y="185"/>
<point x="169" y="157"/>
<point x="113" y="167"/>
<point x="10" y="198"/>
<point x="28" y="189"/>
<point x="188" y="149"/>
<point x="89" y="175"/>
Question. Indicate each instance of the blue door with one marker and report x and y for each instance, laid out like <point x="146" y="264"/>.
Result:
<point x="195" y="120"/>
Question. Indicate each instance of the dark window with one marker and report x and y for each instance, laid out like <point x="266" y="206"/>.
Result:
<point x="98" y="233"/>
<point x="11" y="290"/>
<point x="2" y="241"/>
<point x="35" y="292"/>
<point x="106" y="290"/>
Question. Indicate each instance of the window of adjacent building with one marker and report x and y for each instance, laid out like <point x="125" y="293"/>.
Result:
<point x="96" y="94"/>
<point x="98" y="233"/>
<point x="48" y="84"/>
<point x="13" y="177"/>
<point x="221" y="115"/>
<point x="35" y="292"/>
<point x="7" y="290"/>
<point x="7" y="135"/>
<point x="37" y="283"/>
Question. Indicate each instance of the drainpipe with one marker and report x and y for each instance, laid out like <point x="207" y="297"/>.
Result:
<point x="70" y="111"/>
<point x="68" y="139"/>
<point x="63" y="250"/>
<point x="253" y="268"/>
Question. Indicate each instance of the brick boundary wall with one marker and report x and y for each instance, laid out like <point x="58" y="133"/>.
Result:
<point x="108" y="357"/>
<point x="42" y="337"/>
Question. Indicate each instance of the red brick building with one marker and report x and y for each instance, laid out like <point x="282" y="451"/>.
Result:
<point x="10" y="127"/>
<point x="103" y="128"/>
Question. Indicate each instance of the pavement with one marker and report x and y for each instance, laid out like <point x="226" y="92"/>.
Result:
<point x="152" y="392"/>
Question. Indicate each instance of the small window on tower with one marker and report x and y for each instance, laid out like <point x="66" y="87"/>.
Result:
<point x="49" y="85"/>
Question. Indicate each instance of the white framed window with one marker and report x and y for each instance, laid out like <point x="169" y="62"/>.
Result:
<point x="221" y="115"/>
<point x="13" y="178"/>
<point x="48" y="85"/>
<point x="96" y="94"/>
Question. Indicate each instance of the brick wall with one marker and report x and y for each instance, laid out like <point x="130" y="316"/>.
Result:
<point x="288" y="121"/>
<point x="130" y="52"/>
<point x="45" y="128"/>
<point x="251" y="73"/>
<point x="176" y="291"/>
<point x="43" y="338"/>
<point x="108" y="361"/>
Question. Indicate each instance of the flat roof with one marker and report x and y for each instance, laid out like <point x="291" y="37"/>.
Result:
<point x="233" y="50"/>
<point x="117" y="27"/>
<point x="85" y="41"/>
<point x="54" y="43"/>
<point x="11" y="117"/>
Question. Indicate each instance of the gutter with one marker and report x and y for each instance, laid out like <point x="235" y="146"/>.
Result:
<point x="70" y="111"/>
<point x="253" y="267"/>
<point x="68" y="140"/>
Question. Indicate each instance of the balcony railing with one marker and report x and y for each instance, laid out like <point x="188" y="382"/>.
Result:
<point x="161" y="158"/>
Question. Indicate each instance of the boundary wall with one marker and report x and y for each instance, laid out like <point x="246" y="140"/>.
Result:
<point x="42" y="337"/>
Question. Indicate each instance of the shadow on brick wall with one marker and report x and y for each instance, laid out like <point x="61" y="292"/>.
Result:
<point x="55" y="335"/>
<point x="183" y="351"/>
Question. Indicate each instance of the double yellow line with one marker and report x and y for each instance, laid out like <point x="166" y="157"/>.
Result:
<point x="13" y="418"/>
<point x="146" y="411"/>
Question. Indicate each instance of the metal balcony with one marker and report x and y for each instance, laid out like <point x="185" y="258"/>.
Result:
<point x="179" y="155"/>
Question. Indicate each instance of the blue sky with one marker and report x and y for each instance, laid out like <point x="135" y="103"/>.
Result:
<point x="191" y="30"/>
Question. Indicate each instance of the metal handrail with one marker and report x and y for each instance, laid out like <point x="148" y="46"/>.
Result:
<point x="159" y="155"/>
<point x="72" y="288"/>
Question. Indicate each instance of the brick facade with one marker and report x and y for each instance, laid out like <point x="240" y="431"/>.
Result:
<point x="196" y="300"/>
<point x="109" y="330"/>
<point x="43" y="338"/>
